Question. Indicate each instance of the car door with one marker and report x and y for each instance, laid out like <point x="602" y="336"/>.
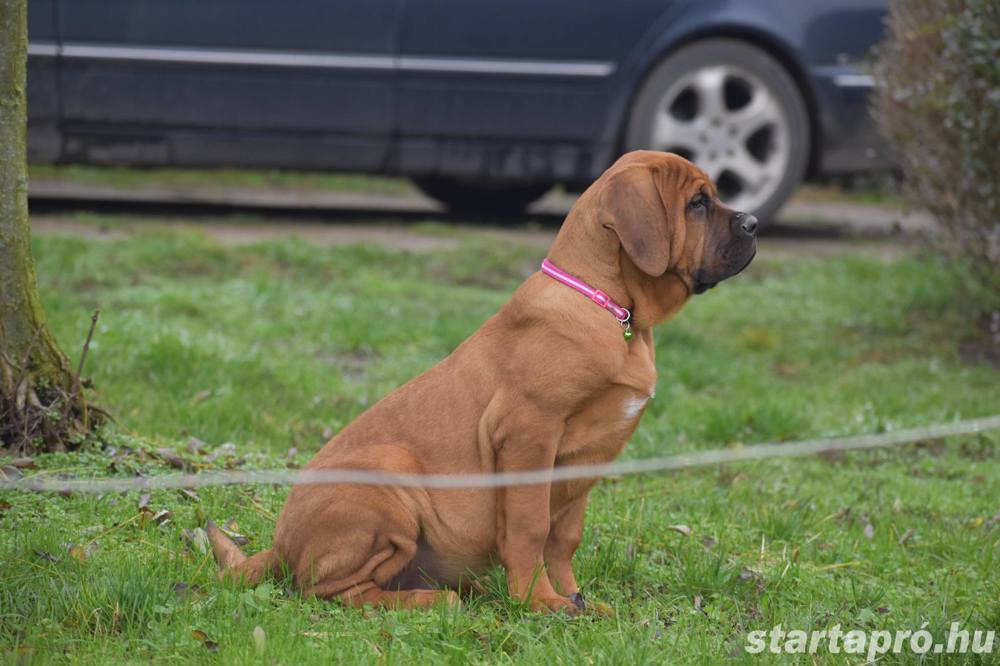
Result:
<point x="508" y="87"/>
<point x="43" y="90"/>
<point x="245" y="82"/>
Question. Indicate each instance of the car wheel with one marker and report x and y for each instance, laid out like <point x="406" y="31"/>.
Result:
<point x="734" y="111"/>
<point x="481" y="198"/>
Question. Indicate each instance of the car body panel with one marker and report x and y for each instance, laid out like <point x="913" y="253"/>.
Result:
<point x="181" y="68"/>
<point x="45" y="139"/>
<point x="414" y="87"/>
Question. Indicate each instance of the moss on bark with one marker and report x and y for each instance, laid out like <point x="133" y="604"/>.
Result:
<point x="41" y="404"/>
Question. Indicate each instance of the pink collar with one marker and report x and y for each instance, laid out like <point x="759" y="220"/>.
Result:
<point x="596" y="295"/>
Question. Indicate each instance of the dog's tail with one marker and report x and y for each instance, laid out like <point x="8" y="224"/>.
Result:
<point x="233" y="564"/>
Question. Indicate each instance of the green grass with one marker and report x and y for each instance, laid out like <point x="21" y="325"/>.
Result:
<point x="270" y="346"/>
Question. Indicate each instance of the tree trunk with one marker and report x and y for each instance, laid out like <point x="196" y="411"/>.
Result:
<point x="41" y="403"/>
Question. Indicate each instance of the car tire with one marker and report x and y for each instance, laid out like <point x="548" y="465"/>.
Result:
<point x="733" y="110"/>
<point x="481" y="198"/>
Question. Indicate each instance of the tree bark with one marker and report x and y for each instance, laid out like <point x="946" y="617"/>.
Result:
<point x="41" y="404"/>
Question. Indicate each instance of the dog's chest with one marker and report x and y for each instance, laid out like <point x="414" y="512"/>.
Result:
<point x="632" y="407"/>
<point x="639" y="376"/>
<point x="597" y="435"/>
<point x="600" y="430"/>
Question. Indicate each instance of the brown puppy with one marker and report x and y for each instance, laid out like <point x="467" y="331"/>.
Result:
<point x="549" y="380"/>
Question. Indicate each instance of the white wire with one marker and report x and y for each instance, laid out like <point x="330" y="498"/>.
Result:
<point x="496" y="480"/>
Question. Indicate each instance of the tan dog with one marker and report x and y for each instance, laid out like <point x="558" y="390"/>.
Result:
<point x="549" y="380"/>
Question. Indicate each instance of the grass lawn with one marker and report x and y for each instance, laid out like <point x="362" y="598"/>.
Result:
<point x="258" y="350"/>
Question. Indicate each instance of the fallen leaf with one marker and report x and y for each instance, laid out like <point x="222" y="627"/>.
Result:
<point x="869" y="531"/>
<point x="727" y="478"/>
<point x="11" y="472"/>
<point x="709" y="542"/>
<point x="843" y="513"/>
<point x="203" y="638"/>
<point x="697" y="603"/>
<point x="185" y="591"/>
<point x="195" y="445"/>
<point x="907" y="535"/>
<point x="82" y="553"/>
<point x="317" y="634"/>
<point x="231" y="530"/>
<point x="683" y="529"/>
<point x="47" y="556"/>
<point x="189" y="494"/>
<point x="143" y="501"/>
<point x="23" y="463"/>
<point x="897" y="505"/>
<point x="4" y="505"/>
<point x="173" y="459"/>
<point x="259" y="639"/>
<point x="748" y="575"/>
<point x="201" y="396"/>
<point x="600" y="609"/>
<point x="196" y="540"/>
<point x="162" y="516"/>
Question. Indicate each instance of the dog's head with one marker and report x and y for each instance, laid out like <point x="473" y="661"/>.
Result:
<point x="667" y="216"/>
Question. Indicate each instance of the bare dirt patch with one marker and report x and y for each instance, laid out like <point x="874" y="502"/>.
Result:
<point x="807" y="226"/>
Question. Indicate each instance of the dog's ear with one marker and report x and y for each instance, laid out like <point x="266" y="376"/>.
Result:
<point x="633" y="207"/>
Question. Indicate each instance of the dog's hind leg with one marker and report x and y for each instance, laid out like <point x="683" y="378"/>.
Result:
<point x="362" y="540"/>
<point x="233" y="564"/>
<point x="369" y="593"/>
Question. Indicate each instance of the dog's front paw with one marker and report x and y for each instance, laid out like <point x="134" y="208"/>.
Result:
<point x="554" y="605"/>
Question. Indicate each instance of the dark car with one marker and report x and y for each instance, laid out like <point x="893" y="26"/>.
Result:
<point x="484" y="103"/>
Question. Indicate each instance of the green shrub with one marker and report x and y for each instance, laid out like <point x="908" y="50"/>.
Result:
<point x="938" y="103"/>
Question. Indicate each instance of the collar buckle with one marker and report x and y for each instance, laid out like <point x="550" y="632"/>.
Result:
<point x="600" y="298"/>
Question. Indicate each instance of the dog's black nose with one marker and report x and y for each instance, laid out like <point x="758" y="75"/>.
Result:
<point x="748" y="223"/>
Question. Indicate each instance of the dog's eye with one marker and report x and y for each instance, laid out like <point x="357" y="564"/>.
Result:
<point x="700" y="201"/>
